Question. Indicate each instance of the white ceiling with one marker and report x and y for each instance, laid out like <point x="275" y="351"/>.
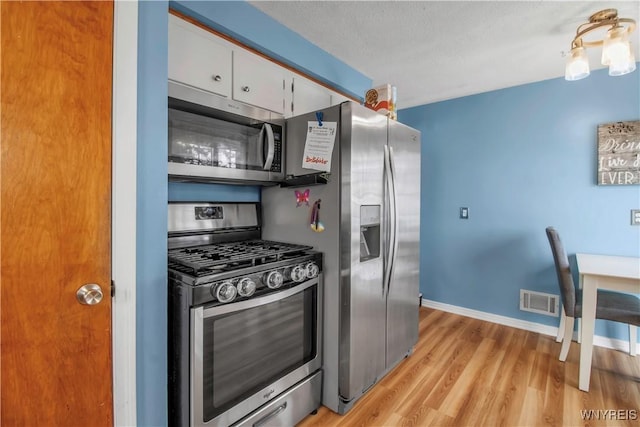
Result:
<point x="437" y="50"/>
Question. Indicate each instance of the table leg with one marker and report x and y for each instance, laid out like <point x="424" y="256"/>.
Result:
<point x="563" y="318"/>
<point x="589" y="299"/>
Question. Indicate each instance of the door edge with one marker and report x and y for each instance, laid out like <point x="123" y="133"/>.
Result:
<point x="123" y="226"/>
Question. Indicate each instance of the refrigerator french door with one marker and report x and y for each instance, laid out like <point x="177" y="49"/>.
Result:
<point x="371" y="217"/>
<point x="402" y="318"/>
<point x="364" y="236"/>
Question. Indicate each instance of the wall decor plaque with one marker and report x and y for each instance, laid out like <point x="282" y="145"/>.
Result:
<point x="619" y="153"/>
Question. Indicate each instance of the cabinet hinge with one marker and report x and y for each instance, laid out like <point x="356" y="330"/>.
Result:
<point x="113" y="289"/>
<point x="292" y="85"/>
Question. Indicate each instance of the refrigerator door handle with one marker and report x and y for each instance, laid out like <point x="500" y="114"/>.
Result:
<point x="390" y="219"/>
<point x="394" y="216"/>
<point x="270" y="145"/>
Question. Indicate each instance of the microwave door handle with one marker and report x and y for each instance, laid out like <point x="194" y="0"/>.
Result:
<point x="260" y="149"/>
<point x="271" y="144"/>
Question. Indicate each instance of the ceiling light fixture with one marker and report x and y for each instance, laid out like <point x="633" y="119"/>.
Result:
<point x="616" y="48"/>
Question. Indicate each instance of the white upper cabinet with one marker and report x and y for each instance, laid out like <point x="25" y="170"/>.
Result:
<point x="257" y="81"/>
<point x="306" y="96"/>
<point x="205" y="61"/>
<point x="197" y="59"/>
<point x="338" y="98"/>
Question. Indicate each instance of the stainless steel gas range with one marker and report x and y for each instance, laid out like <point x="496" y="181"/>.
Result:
<point x="245" y="320"/>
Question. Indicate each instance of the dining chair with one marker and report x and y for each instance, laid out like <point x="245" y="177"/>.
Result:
<point x="615" y="306"/>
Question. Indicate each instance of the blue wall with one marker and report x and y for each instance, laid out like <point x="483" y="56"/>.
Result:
<point x="187" y="192"/>
<point x="151" y="223"/>
<point x="520" y="159"/>
<point x="256" y="29"/>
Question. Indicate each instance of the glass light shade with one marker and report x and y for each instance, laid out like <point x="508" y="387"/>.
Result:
<point x="615" y="46"/>
<point x="620" y="68"/>
<point x="577" y="65"/>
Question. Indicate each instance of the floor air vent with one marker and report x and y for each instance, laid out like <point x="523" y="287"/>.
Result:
<point x="538" y="302"/>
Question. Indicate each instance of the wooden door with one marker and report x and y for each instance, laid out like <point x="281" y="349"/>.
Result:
<point x="56" y="88"/>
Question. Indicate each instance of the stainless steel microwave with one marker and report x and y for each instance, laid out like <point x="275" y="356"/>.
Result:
<point x="215" y="139"/>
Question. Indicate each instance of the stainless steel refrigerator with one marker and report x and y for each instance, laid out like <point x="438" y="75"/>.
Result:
<point x="369" y="214"/>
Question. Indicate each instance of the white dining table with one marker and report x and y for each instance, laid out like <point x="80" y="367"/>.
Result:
<point x="614" y="273"/>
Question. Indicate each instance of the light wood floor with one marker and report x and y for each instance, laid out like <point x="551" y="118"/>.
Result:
<point x="467" y="372"/>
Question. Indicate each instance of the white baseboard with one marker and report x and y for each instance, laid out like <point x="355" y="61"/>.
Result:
<point x="598" y="340"/>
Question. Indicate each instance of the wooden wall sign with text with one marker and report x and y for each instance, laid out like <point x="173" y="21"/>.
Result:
<point x="619" y="153"/>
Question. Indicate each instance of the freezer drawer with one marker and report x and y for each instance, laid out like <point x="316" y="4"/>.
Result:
<point x="290" y="408"/>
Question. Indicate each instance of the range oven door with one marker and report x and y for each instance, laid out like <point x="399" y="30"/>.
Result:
<point x="215" y="139"/>
<point x="247" y="353"/>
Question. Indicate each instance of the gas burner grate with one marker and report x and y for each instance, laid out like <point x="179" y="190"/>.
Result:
<point x="232" y="255"/>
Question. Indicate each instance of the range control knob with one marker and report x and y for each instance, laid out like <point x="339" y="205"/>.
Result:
<point x="298" y="273"/>
<point x="274" y="279"/>
<point x="246" y="287"/>
<point x="224" y="292"/>
<point x="312" y="270"/>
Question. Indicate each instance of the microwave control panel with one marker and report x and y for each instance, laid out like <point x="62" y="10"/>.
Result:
<point x="276" y="166"/>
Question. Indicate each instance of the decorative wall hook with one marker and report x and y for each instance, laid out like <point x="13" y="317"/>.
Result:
<point x="316" y="224"/>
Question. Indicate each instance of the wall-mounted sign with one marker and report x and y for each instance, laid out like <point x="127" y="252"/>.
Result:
<point x="619" y="153"/>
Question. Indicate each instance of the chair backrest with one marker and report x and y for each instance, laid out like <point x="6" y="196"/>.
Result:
<point x="563" y="270"/>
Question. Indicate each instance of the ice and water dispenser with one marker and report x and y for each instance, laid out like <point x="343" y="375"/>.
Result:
<point x="369" y="232"/>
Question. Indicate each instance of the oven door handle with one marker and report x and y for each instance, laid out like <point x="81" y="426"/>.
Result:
<point x="255" y="302"/>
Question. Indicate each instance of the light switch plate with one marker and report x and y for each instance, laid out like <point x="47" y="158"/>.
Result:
<point x="464" y="213"/>
<point x="635" y="216"/>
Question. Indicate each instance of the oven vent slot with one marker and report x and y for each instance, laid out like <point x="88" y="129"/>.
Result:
<point x="539" y="302"/>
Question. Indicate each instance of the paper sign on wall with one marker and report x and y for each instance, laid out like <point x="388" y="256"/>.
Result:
<point x="318" y="146"/>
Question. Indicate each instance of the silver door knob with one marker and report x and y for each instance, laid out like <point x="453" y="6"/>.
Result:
<point x="245" y="88"/>
<point x="89" y="294"/>
<point x="217" y="77"/>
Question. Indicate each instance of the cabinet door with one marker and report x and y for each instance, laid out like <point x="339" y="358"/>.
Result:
<point x="337" y="98"/>
<point x="258" y="82"/>
<point x="197" y="59"/>
<point x="308" y="96"/>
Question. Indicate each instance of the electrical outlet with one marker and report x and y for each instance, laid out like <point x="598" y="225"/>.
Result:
<point x="635" y="216"/>
<point x="464" y="213"/>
